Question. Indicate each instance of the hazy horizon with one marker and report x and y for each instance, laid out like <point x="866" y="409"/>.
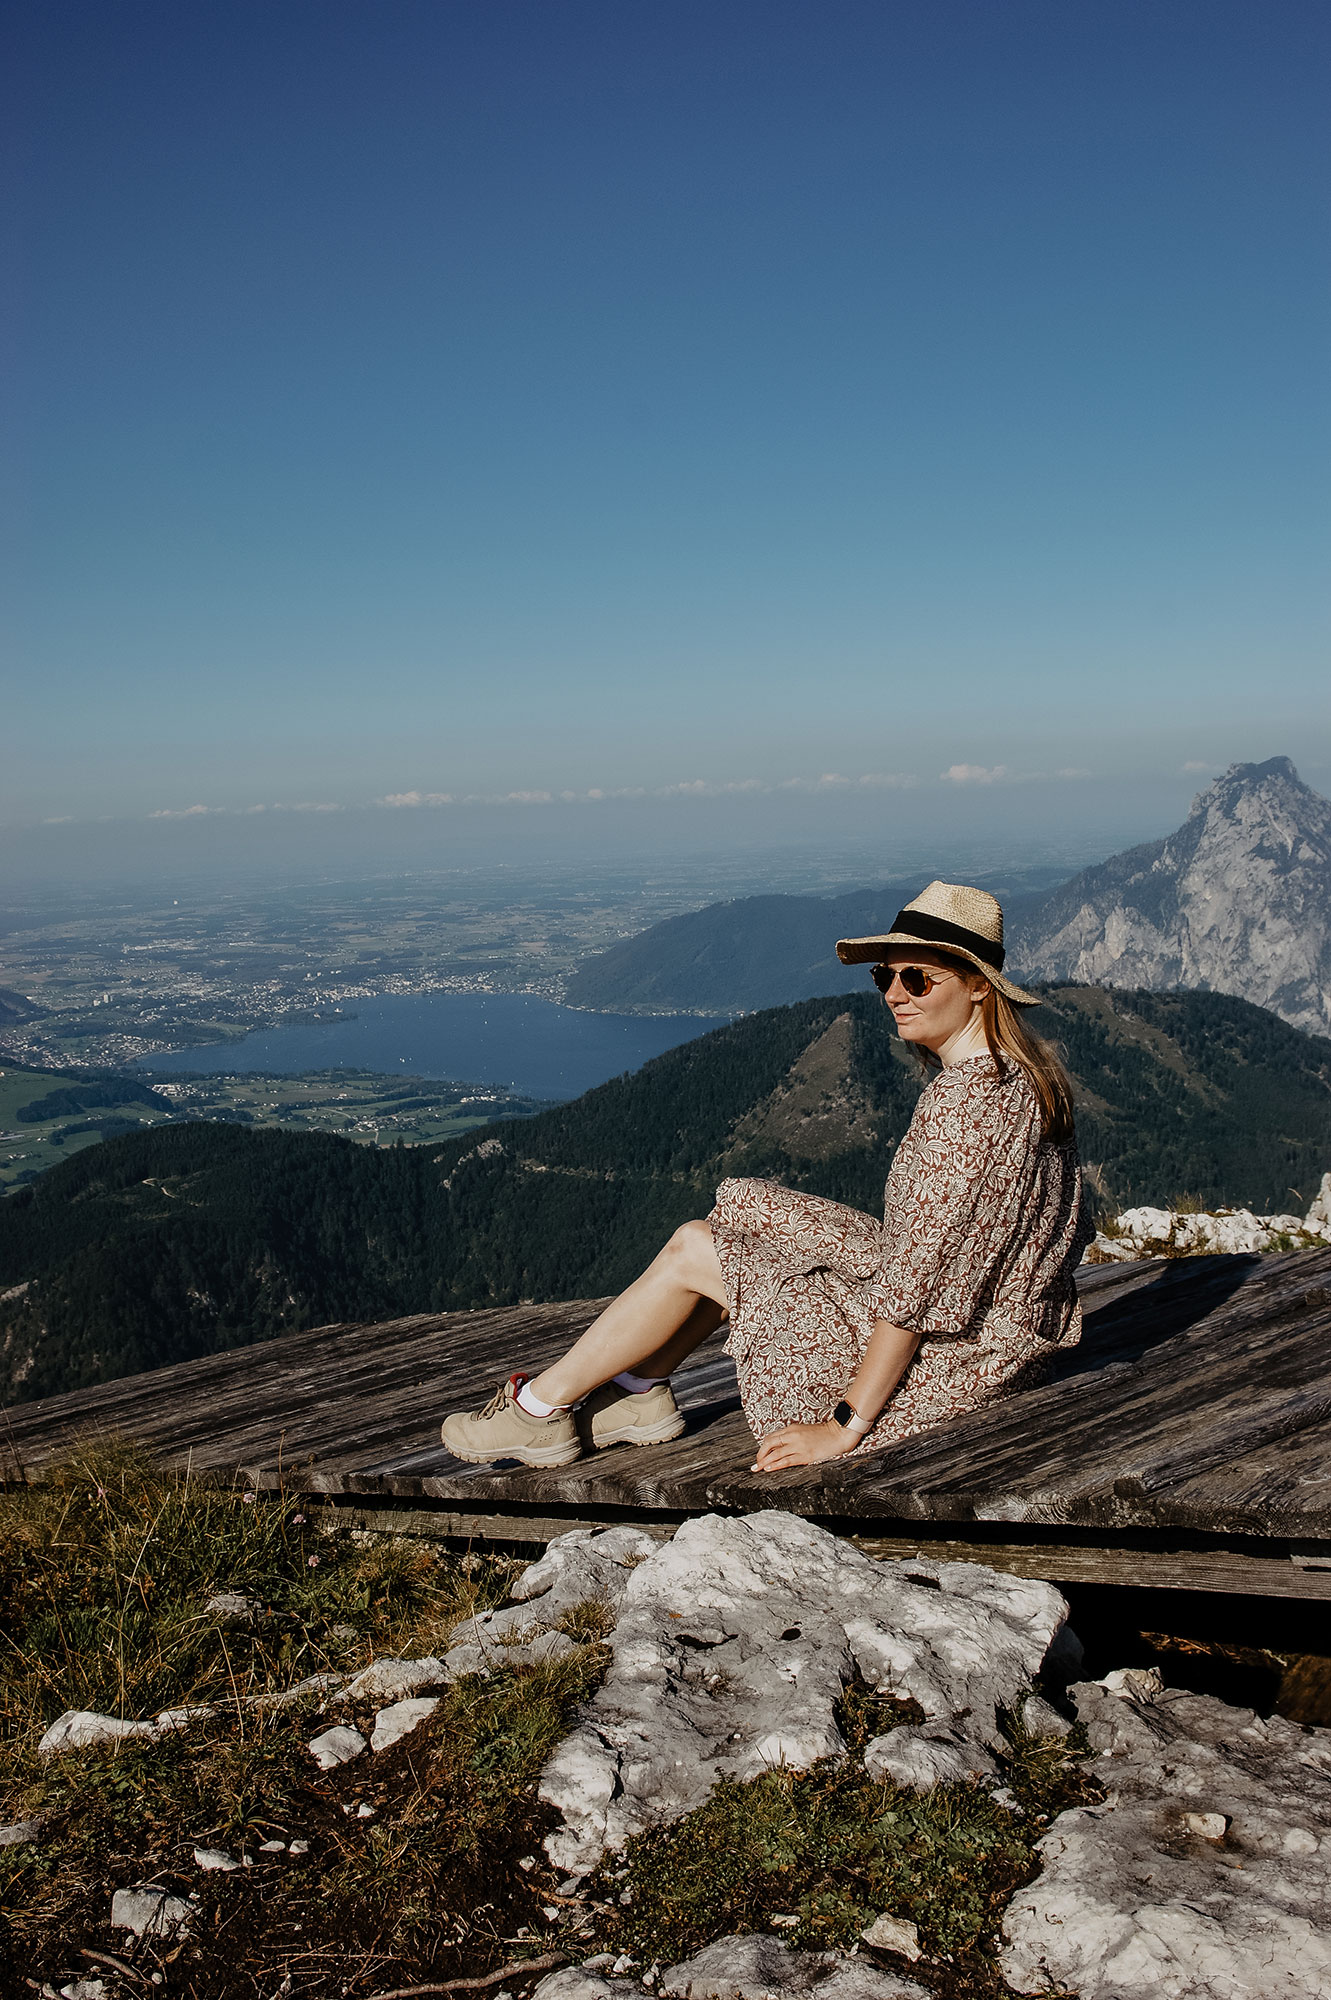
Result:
<point x="715" y="844"/>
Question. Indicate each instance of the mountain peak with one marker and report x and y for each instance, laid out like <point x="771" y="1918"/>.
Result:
<point x="1277" y="775"/>
<point x="1237" y="900"/>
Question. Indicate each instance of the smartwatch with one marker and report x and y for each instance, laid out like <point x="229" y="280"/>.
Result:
<point x="850" y="1419"/>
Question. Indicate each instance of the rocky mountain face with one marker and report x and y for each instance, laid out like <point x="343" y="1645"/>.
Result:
<point x="1238" y="901"/>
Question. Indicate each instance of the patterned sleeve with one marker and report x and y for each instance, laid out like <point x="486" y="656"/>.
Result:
<point x="955" y="1197"/>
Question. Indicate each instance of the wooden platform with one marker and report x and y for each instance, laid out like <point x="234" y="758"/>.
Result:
<point x="1186" y="1444"/>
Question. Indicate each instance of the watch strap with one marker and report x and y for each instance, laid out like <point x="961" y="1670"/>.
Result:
<point x="850" y="1419"/>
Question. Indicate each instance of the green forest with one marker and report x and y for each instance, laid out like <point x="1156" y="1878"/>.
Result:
<point x="185" y="1239"/>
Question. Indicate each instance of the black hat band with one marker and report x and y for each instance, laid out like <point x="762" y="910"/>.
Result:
<point x="937" y="930"/>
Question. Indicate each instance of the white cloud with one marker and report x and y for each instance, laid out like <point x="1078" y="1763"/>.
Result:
<point x="1196" y="764"/>
<point x="1001" y="774"/>
<point x="245" y="812"/>
<point x="832" y="781"/>
<point x="974" y="774"/>
<point x="682" y="788"/>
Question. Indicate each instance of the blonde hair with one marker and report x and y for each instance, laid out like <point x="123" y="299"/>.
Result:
<point x="1010" y="1039"/>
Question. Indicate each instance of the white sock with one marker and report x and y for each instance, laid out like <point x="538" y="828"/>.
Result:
<point x="533" y="1404"/>
<point x="638" y="1385"/>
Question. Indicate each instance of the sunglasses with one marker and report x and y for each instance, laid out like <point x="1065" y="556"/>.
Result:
<point x="914" y="979"/>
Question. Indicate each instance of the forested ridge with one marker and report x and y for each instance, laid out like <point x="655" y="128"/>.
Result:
<point x="187" y="1239"/>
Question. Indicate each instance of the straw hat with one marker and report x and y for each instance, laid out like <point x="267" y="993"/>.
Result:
<point x="968" y="923"/>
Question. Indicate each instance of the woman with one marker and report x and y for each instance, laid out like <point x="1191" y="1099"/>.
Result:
<point x="848" y="1333"/>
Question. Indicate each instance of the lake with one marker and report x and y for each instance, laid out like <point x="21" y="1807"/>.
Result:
<point x="511" y="1039"/>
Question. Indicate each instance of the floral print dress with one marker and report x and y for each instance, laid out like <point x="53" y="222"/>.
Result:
<point x="983" y="1227"/>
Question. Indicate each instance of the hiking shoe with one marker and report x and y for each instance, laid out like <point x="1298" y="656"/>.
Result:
<point x="612" y="1415"/>
<point x="503" y="1429"/>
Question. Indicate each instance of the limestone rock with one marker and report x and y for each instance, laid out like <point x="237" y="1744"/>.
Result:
<point x="889" y="1933"/>
<point x="919" y="1759"/>
<point x="336" y="1746"/>
<point x="1140" y="1900"/>
<point x="731" y="1649"/>
<point x="184" y="1718"/>
<point x="320" y="1684"/>
<point x="518" y="1652"/>
<point x="233" y="1607"/>
<point x="757" y="1967"/>
<point x="1134" y="1683"/>
<point x="855" y="1979"/>
<point x="81" y="1729"/>
<point x="1040" y="1718"/>
<point x="393" y="1723"/>
<point x="153" y="1913"/>
<point x="1150" y="1232"/>
<point x="83" y="1989"/>
<point x="215" y="1860"/>
<point x="1318" y="1218"/>
<point x="1236" y="901"/>
<point x="21" y="1833"/>
<point x="583" y="1982"/>
<point x="581" y="1567"/>
<point x="394" y="1680"/>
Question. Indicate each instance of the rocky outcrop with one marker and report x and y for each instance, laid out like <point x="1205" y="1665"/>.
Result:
<point x="751" y="1967"/>
<point x="1238" y="900"/>
<point x="1206" y="1873"/>
<point x="733" y="1644"/>
<point x="1172" y="1232"/>
<point x="580" y="1568"/>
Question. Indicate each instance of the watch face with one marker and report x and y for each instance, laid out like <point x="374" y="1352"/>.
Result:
<point x="843" y="1415"/>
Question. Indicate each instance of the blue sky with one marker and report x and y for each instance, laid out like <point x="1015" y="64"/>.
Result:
<point x="449" y="401"/>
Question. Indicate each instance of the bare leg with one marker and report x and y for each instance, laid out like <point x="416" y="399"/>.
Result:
<point x="679" y="1299"/>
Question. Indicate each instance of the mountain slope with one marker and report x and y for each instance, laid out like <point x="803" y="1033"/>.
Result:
<point x="732" y="958"/>
<point x="189" y="1239"/>
<point x="1238" y="900"/>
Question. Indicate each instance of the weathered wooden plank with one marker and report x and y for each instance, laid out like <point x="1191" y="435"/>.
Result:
<point x="1194" y="1402"/>
<point x="1288" y="1479"/>
<point x="1230" y="1570"/>
<point x="1251" y="1425"/>
<point x="341" y="1388"/>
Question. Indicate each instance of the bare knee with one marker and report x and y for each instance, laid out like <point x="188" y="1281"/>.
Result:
<point x="690" y="1258"/>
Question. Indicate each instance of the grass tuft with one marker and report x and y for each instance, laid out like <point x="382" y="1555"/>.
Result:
<point x="834" y="1849"/>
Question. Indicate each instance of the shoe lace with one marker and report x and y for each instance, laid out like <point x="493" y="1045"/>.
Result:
<point x="502" y="1395"/>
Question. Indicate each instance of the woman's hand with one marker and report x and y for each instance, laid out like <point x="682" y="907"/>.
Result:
<point x="803" y="1444"/>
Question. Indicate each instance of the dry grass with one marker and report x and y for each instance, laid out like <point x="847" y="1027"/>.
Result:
<point x="104" y="1576"/>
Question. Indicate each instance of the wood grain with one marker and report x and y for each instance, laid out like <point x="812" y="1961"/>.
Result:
<point x="1198" y="1401"/>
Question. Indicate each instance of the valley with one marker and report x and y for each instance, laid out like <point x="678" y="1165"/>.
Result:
<point x="47" y="1115"/>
